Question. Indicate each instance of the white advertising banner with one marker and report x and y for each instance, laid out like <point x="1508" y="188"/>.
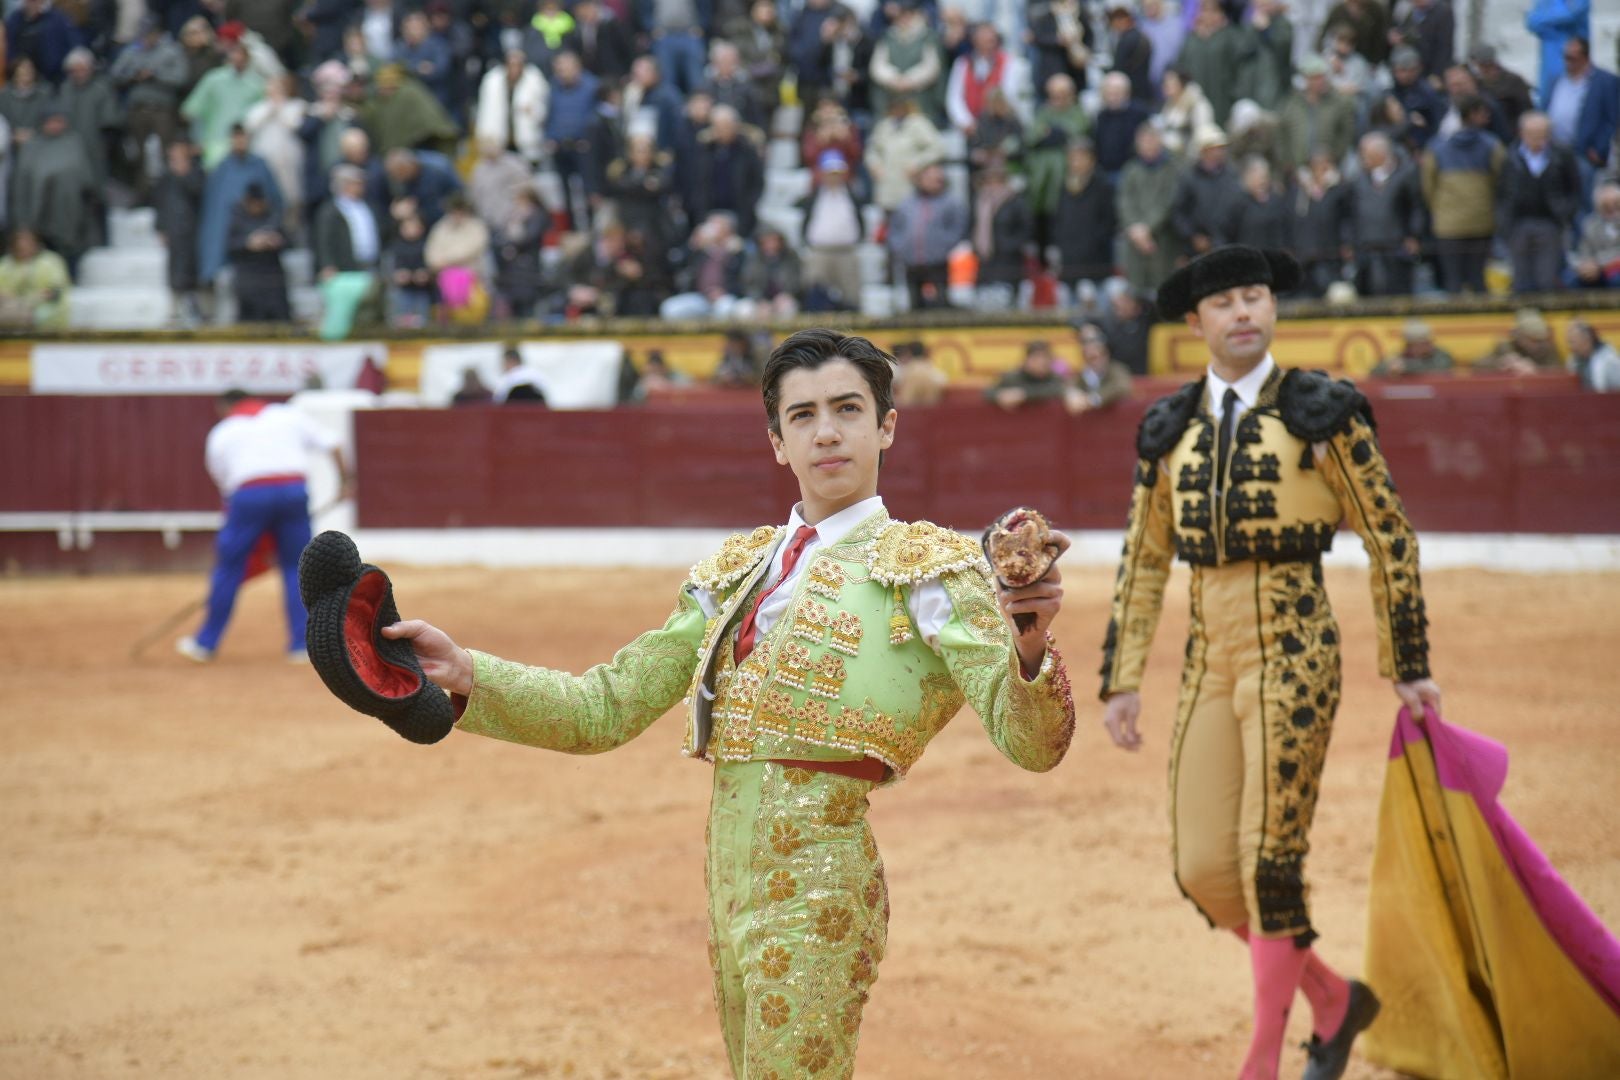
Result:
<point x="165" y="368"/>
<point x="572" y="374"/>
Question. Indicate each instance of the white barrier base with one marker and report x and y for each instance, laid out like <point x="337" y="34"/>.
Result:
<point x="501" y="548"/>
<point x="1516" y="553"/>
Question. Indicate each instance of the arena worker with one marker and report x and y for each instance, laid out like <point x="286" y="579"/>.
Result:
<point x="817" y="660"/>
<point x="258" y="454"/>
<point x="1246" y="474"/>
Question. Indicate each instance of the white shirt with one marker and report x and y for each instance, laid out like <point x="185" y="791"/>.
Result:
<point x="275" y="442"/>
<point x="1536" y="163"/>
<point x="928" y="603"/>
<point x="1565" y="104"/>
<point x="1248" y="389"/>
<point x="363" y="239"/>
<point x="377" y="27"/>
<point x="835" y="221"/>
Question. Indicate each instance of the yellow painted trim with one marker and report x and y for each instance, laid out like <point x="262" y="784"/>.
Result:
<point x="975" y="355"/>
<point x="1354" y="346"/>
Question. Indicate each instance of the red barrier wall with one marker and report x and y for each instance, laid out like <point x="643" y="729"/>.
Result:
<point x="105" y="453"/>
<point x="1466" y="461"/>
<point x="1478" y="455"/>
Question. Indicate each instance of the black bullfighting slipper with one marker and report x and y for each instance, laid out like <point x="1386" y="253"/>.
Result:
<point x="349" y="603"/>
<point x="1328" y="1060"/>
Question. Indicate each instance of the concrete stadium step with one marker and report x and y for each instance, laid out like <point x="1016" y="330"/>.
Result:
<point x="786" y="220"/>
<point x="133" y="228"/>
<point x="781" y="154"/>
<point x="299" y="266"/>
<point x="139" y="266"/>
<point x="134" y="267"/>
<point x="306" y="304"/>
<point x="784" y="187"/>
<point x="788" y="121"/>
<point x="872" y="214"/>
<point x="119" y="307"/>
<point x="874" y="260"/>
<point x="878" y="301"/>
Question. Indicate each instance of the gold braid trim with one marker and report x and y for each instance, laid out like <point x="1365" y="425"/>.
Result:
<point x="737" y="556"/>
<point x="908" y="553"/>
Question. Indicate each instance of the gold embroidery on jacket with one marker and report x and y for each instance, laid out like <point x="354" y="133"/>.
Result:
<point x="792" y="664"/>
<point x="846" y="633"/>
<point x="827" y="579"/>
<point x="907" y="553"/>
<point x="827" y="680"/>
<point x="736" y="557"/>
<point x="810" y="620"/>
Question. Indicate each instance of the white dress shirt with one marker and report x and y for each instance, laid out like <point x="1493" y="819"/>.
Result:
<point x="1564" y="106"/>
<point x="928" y="602"/>
<point x="364" y="241"/>
<point x="1248" y="389"/>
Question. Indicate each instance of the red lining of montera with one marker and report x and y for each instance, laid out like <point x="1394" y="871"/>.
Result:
<point x="380" y="676"/>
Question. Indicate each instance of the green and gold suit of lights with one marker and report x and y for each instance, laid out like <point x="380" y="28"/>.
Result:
<point x="798" y="904"/>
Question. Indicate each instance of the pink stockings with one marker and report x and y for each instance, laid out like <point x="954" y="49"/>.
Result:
<point x="1280" y="968"/>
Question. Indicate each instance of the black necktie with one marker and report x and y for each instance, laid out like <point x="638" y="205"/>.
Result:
<point x="1224" y="453"/>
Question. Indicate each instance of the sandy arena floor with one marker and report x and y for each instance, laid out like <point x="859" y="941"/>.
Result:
<point x="220" y="871"/>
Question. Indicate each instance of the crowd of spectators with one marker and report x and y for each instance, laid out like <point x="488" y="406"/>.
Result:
<point x="470" y="160"/>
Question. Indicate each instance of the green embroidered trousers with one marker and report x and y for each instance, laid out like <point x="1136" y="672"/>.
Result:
<point x="799" y="917"/>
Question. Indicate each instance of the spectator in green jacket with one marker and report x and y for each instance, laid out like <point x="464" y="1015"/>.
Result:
<point x="1033" y="381"/>
<point x="1418" y="354"/>
<point x="1314" y="118"/>
<point x="1219" y="57"/>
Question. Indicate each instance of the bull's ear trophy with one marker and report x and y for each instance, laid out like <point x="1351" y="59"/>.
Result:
<point x="1021" y="551"/>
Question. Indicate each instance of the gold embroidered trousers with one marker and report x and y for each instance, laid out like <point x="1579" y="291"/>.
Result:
<point x="1259" y="690"/>
<point x="799" y="918"/>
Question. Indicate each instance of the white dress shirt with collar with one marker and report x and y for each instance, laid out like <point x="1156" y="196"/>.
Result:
<point x="929" y="603"/>
<point x="1248" y="389"/>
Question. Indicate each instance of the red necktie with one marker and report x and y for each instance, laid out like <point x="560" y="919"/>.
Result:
<point x="790" y="559"/>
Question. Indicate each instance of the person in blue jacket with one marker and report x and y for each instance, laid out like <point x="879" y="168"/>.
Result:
<point x="1555" y="22"/>
<point x="1584" y="106"/>
<point x="43" y="34"/>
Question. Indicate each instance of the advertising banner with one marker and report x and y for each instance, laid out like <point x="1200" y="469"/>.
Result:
<point x="169" y="368"/>
<point x="572" y="374"/>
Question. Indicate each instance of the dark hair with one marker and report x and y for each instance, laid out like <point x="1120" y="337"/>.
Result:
<point x="1586" y="46"/>
<point x="1469" y="104"/>
<point x="1589" y="330"/>
<point x="233" y="397"/>
<point x="809" y="349"/>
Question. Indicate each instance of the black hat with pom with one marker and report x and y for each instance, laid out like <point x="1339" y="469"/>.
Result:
<point x="1225" y="268"/>
<point x="349" y="603"/>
